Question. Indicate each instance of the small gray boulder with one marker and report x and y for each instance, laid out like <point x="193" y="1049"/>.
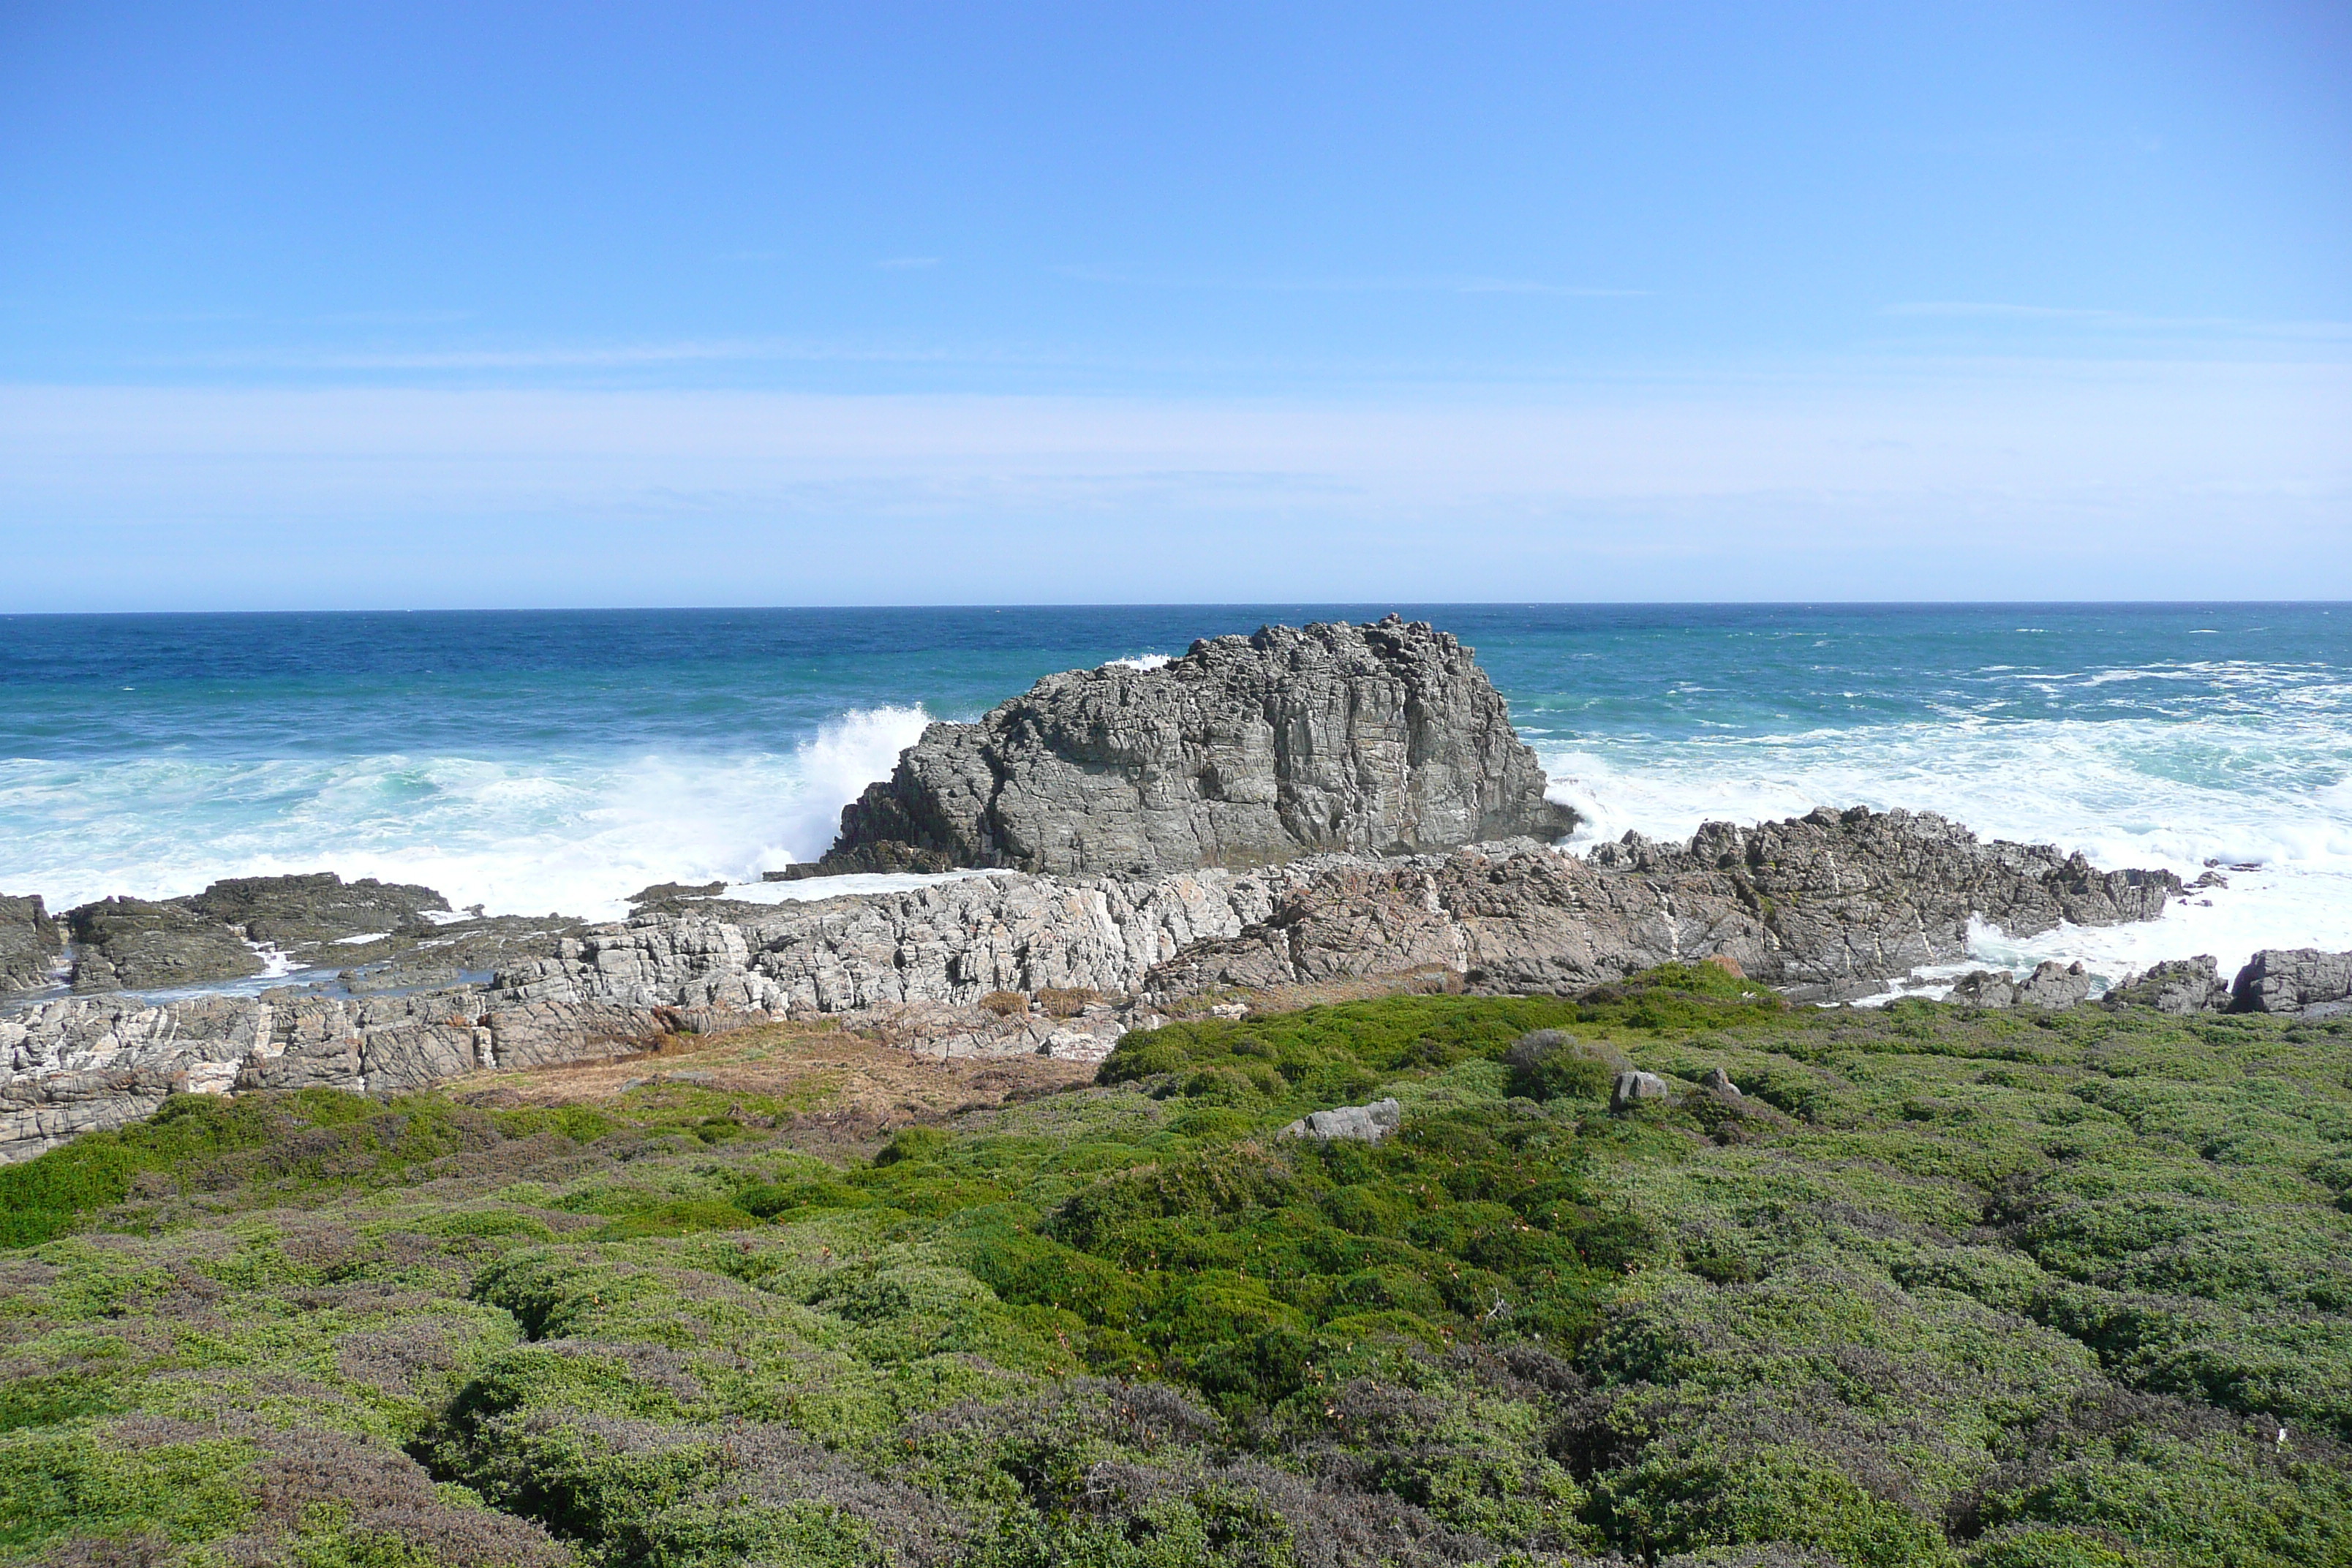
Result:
<point x="1363" y="1123"/>
<point x="2053" y="985"/>
<point x="2178" y="985"/>
<point x="1638" y="1089"/>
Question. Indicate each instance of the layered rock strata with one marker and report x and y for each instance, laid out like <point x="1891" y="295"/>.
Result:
<point x="1381" y="739"/>
<point x="30" y="943"/>
<point x="1838" y="901"/>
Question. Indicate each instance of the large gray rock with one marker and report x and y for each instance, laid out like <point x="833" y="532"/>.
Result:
<point x="30" y="943"/>
<point x="1383" y="738"/>
<point x="2292" y="980"/>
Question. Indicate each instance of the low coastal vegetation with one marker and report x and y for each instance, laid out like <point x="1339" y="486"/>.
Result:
<point x="1938" y="1287"/>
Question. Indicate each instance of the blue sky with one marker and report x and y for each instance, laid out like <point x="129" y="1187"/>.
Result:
<point x="600" y="304"/>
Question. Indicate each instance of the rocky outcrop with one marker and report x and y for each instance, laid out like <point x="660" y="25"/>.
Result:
<point x="2294" y="980"/>
<point x="1863" y="893"/>
<point x="2051" y="986"/>
<point x="130" y="944"/>
<point x="139" y="944"/>
<point x="2179" y="985"/>
<point x="914" y="966"/>
<point x="291" y="914"/>
<point x="1380" y="739"/>
<point x="30" y="943"/>
<point x="1832" y="904"/>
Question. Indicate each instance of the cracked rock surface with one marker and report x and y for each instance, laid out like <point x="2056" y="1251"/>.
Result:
<point x="1379" y="739"/>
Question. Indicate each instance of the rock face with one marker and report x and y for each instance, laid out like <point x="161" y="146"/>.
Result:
<point x="291" y="913"/>
<point x="135" y="944"/>
<point x="1832" y="904"/>
<point x="2179" y="985"/>
<point x="1248" y="751"/>
<point x="130" y="945"/>
<point x="2294" y="980"/>
<point x="30" y="943"/>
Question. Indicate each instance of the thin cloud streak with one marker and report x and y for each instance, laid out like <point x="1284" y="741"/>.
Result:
<point x="1356" y="285"/>
<point x="2121" y="320"/>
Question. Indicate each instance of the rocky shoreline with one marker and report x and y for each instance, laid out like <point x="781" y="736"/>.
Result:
<point x="1293" y="809"/>
<point x="1828" y="906"/>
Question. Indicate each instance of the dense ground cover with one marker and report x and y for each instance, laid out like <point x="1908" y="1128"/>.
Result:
<point x="1945" y="1287"/>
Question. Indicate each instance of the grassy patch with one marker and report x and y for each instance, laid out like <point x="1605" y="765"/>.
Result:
<point x="1940" y="1288"/>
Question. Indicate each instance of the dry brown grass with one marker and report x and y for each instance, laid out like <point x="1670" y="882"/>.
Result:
<point x="836" y="1087"/>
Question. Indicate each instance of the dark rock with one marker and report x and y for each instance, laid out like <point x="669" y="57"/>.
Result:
<point x="30" y="943"/>
<point x="291" y="912"/>
<point x="2053" y="985"/>
<point x="1824" y="906"/>
<point x="1985" y="988"/>
<point x="2292" y="980"/>
<point x="1831" y="880"/>
<point x="1385" y="738"/>
<point x="2178" y="985"/>
<point x="130" y="945"/>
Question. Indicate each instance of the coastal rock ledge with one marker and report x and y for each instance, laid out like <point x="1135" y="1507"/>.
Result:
<point x="1380" y="739"/>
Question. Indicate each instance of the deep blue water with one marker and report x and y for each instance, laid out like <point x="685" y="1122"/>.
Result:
<point x="536" y="760"/>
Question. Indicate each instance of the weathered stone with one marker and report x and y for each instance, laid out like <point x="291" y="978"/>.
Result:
<point x="2053" y="985"/>
<point x="1248" y="751"/>
<point x="1362" y="1123"/>
<point x="130" y="944"/>
<point x="2292" y="980"/>
<point x="1718" y="1082"/>
<point x="298" y="911"/>
<point x="1985" y="988"/>
<point x="1635" y="1089"/>
<point x="30" y="943"/>
<point x="913" y="967"/>
<point x="2179" y="985"/>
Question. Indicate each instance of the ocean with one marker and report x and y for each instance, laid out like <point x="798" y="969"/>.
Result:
<point x="538" y="761"/>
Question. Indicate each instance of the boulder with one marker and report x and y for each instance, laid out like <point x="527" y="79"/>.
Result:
<point x="30" y="943"/>
<point x="2293" y="979"/>
<point x="1385" y="738"/>
<point x="2178" y="985"/>
<point x="1635" y="1089"/>
<point x="2053" y="985"/>
<point x="1985" y="988"/>
<point x="1363" y="1123"/>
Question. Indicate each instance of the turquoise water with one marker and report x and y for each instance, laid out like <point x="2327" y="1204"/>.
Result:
<point x="559" y="761"/>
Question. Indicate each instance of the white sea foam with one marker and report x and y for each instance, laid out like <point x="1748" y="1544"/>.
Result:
<point x="2268" y="793"/>
<point x="575" y="835"/>
<point x="809" y="889"/>
<point x="1140" y="661"/>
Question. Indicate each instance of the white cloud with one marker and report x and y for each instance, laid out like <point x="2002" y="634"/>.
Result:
<point x="1983" y="480"/>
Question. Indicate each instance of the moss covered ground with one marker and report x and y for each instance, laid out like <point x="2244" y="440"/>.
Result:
<point x="2008" y="1290"/>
